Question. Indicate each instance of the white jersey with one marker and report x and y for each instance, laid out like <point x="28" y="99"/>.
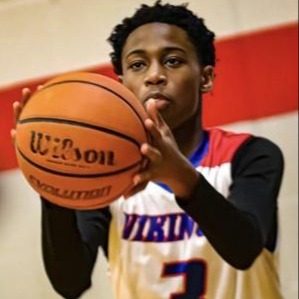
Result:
<point x="156" y="251"/>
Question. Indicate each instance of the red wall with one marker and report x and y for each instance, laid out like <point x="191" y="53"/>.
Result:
<point x="256" y="76"/>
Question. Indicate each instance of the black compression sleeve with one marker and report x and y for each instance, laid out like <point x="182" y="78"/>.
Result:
<point x="70" y="241"/>
<point x="240" y="226"/>
<point x="257" y="174"/>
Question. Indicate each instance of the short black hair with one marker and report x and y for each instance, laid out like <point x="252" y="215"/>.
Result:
<point x="201" y="37"/>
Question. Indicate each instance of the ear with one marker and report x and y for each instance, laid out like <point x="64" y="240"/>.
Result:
<point x="207" y="79"/>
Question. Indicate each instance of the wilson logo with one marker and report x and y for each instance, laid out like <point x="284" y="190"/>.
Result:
<point x="64" y="149"/>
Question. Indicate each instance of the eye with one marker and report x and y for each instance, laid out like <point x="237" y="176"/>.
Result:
<point x="173" y="61"/>
<point x="136" y="65"/>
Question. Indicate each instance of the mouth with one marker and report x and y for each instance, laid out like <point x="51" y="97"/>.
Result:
<point x="162" y="101"/>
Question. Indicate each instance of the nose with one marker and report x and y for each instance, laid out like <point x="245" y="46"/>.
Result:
<point x="155" y="76"/>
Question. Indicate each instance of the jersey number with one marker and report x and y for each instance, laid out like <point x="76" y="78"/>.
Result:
<point x="194" y="275"/>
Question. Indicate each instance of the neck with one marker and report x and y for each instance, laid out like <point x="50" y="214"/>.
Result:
<point x="189" y="135"/>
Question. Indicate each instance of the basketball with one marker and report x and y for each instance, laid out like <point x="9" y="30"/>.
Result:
<point x="78" y="140"/>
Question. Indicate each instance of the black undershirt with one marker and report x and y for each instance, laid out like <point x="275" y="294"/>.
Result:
<point x="238" y="227"/>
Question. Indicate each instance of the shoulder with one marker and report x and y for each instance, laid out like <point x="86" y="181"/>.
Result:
<point x="240" y="148"/>
<point x="222" y="146"/>
<point x="258" y="153"/>
<point x="256" y="146"/>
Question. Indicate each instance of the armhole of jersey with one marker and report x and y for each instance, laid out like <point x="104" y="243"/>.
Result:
<point x="195" y="158"/>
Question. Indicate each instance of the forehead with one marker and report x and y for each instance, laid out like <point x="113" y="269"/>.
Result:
<point x="158" y="36"/>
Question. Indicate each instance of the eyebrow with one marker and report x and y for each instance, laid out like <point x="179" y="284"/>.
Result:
<point x="166" y="49"/>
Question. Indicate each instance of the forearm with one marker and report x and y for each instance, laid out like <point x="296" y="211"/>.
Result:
<point x="68" y="260"/>
<point x="234" y="234"/>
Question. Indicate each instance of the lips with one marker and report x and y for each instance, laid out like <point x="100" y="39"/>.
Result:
<point x="162" y="101"/>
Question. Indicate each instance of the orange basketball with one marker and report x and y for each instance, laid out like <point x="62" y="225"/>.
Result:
<point x="78" y="140"/>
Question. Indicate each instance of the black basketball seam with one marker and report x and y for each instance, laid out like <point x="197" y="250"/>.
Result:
<point x="78" y="123"/>
<point x="101" y="86"/>
<point x="75" y="175"/>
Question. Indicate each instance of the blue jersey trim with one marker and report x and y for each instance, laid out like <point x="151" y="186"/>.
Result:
<point x="196" y="157"/>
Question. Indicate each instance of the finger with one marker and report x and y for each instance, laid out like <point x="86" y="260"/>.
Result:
<point x="17" y="109"/>
<point x="141" y="178"/>
<point x="18" y="106"/>
<point x="152" y="111"/>
<point x="26" y="93"/>
<point x="13" y="135"/>
<point x="153" y="154"/>
<point x="157" y="133"/>
<point x="135" y="190"/>
<point x="153" y="129"/>
<point x="155" y="115"/>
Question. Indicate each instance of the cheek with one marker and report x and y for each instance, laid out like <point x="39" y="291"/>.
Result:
<point x="189" y="87"/>
<point x="189" y="98"/>
<point x="134" y="90"/>
<point x="135" y="86"/>
<point x="189" y="79"/>
<point x="132" y="85"/>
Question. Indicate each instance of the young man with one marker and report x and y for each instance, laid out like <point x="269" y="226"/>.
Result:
<point x="204" y="222"/>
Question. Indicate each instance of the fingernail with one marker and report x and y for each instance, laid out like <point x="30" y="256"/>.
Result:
<point x="25" y="90"/>
<point x="136" y="181"/>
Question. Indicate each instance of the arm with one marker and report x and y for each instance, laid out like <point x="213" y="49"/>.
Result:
<point x="240" y="226"/>
<point x="70" y="241"/>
